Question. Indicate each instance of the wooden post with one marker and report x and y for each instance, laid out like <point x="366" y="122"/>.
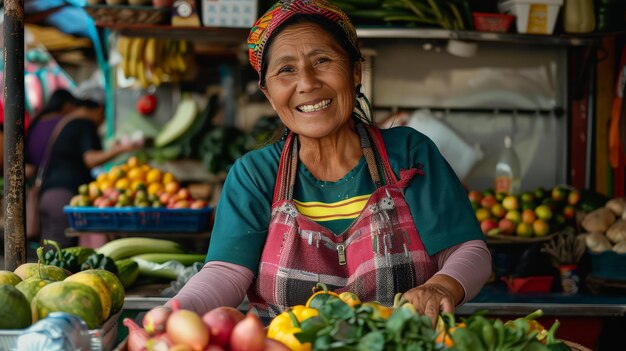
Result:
<point x="14" y="213"/>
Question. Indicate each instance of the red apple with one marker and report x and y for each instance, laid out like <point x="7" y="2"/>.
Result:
<point x="506" y="226"/>
<point x="488" y="225"/>
<point x="475" y="196"/>
<point x="488" y="201"/>
<point x="528" y="216"/>
<point x="146" y="104"/>
<point x="569" y="212"/>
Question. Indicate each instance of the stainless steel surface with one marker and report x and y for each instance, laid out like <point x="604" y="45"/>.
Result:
<point x="549" y="309"/>
<point x="521" y="309"/>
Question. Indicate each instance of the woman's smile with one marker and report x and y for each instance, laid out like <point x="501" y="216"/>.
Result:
<point x="315" y="107"/>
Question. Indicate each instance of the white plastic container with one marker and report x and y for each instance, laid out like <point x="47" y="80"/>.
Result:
<point x="533" y="16"/>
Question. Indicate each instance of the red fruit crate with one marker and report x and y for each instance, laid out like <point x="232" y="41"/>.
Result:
<point x="529" y="284"/>
<point x="492" y="22"/>
<point x="135" y="219"/>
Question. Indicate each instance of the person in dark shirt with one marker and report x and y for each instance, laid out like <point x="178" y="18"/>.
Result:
<point x="74" y="153"/>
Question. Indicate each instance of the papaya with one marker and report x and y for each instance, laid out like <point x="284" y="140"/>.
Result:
<point x="31" y="286"/>
<point x="27" y="270"/>
<point x="69" y="297"/>
<point x="14" y="308"/>
<point x="8" y="277"/>
<point x="98" y="285"/>
<point x="114" y="285"/>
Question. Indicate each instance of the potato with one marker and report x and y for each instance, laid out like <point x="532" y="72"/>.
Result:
<point x="620" y="247"/>
<point x="597" y="242"/>
<point x="617" y="205"/>
<point x="599" y="220"/>
<point x="617" y="231"/>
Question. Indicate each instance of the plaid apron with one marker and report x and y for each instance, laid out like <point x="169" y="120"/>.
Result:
<point x="378" y="255"/>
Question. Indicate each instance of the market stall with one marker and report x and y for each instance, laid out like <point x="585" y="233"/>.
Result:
<point x="554" y="235"/>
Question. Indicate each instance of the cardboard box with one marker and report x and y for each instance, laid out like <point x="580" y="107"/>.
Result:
<point x="533" y="16"/>
<point x="229" y="13"/>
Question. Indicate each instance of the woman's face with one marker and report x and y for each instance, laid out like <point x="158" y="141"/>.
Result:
<point x="310" y="81"/>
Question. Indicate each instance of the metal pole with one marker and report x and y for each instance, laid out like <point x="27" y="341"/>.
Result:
<point x="14" y="213"/>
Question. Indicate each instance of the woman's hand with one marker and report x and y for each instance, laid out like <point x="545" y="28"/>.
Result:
<point x="439" y="294"/>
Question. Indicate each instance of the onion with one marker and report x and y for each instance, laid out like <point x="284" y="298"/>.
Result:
<point x="248" y="335"/>
<point x="186" y="327"/>
<point x="137" y="337"/>
<point x="154" y="321"/>
<point x="160" y="342"/>
<point x="221" y="321"/>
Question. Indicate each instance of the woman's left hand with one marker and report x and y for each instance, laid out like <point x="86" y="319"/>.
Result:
<point x="439" y="294"/>
<point x="430" y="299"/>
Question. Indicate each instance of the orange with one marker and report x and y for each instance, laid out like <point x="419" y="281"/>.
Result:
<point x="122" y="183"/>
<point x="154" y="176"/>
<point x="136" y="174"/>
<point x="115" y="173"/>
<point x="102" y="177"/>
<point x="133" y="162"/>
<point x="168" y="177"/>
<point x="155" y="188"/>
<point x="172" y="187"/>
<point x="105" y="185"/>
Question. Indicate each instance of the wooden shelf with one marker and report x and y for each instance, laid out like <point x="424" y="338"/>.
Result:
<point x="238" y="36"/>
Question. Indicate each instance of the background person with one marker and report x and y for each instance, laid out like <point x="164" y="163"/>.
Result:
<point x="74" y="153"/>
<point x="338" y="201"/>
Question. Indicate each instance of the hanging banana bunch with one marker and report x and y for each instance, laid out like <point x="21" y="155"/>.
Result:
<point x="152" y="61"/>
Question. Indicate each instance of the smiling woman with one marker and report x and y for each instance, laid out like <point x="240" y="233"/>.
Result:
<point x="337" y="200"/>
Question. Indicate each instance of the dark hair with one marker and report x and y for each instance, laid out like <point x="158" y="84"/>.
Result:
<point x="87" y="103"/>
<point x="57" y="101"/>
<point x="329" y="26"/>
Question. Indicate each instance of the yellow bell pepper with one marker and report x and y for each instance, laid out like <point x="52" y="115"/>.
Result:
<point x="320" y="296"/>
<point x="350" y="298"/>
<point x="284" y="327"/>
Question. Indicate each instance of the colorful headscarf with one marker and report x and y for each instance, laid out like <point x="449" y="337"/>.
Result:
<point x="265" y="26"/>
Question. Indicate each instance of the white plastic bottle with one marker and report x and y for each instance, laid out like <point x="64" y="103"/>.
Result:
<point x="508" y="170"/>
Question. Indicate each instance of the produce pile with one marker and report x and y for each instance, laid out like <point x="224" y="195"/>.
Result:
<point x="447" y="14"/>
<point x="606" y="227"/>
<point x="152" y="61"/>
<point x="135" y="184"/>
<point x="331" y="321"/>
<point x="34" y="290"/>
<point x="531" y="214"/>
<point x="152" y="259"/>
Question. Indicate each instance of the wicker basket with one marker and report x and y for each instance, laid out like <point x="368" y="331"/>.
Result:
<point x="124" y="14"/>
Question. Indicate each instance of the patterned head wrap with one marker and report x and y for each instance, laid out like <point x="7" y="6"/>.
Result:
<point x="266" y="26"/>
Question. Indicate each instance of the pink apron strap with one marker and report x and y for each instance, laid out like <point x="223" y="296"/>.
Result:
<point x="287" y="169"/>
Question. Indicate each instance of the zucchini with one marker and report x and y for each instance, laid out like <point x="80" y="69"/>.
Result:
<point x="185" y="259"/>
<point x="183" y="119"/>
<point x="127" y="271"/>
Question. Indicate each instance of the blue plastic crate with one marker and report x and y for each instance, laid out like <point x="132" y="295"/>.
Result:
<point x="134" y="219"/>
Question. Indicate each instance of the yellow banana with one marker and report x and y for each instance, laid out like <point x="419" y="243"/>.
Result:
<point x="150" y="52"/>
<point x="123" y="44"/>
<point x="136" y="56"/>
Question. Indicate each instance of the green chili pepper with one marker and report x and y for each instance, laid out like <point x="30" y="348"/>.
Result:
<point x="99" y="261"/>
<point x="58" y="257"/>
